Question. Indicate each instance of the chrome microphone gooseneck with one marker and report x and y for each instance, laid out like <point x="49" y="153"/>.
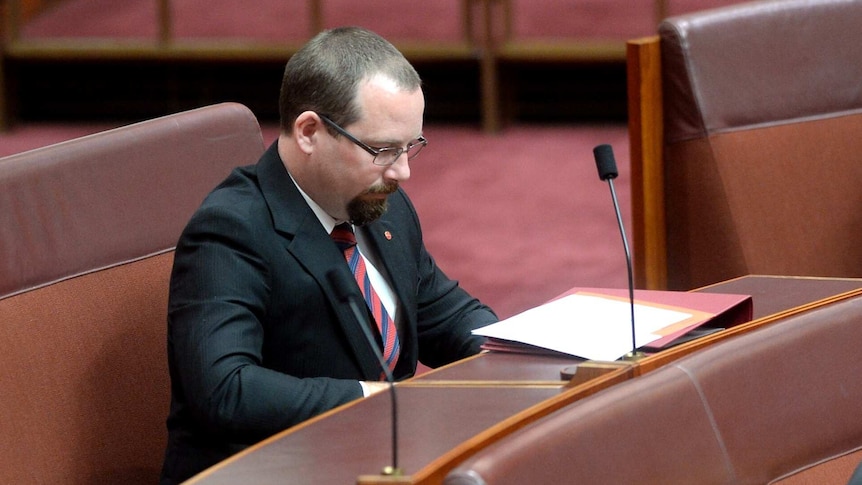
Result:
<point x="607" y="167"/>
<point x="341" y="283"/>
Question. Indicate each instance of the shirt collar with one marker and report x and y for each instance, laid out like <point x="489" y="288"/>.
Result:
<point x="327" y="221"/>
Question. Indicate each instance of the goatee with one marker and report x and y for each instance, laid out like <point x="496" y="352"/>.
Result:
<point x="363" y="211"/>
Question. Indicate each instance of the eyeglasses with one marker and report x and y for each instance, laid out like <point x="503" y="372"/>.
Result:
<point x="382" y="156"/>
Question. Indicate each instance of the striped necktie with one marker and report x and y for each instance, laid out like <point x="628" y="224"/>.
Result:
<point x="346" y="241"/>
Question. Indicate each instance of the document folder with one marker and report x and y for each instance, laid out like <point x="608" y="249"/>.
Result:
<point x="595" y="323"/>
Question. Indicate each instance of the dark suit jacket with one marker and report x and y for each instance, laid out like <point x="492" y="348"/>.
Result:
<point x="257" y="338"/>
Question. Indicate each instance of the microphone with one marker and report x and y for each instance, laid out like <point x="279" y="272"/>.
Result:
<point x="342" y="283"/>
<point x="607" y="167"/>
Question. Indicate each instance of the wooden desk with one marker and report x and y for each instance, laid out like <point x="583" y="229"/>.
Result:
<point x="773" y="297"/>
<point x="449" y="413"/>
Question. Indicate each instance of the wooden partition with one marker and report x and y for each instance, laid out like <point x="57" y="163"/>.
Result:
<point x="646" y="143"/>
<point x="486" y="37"/>
<point x="165" y="45"/>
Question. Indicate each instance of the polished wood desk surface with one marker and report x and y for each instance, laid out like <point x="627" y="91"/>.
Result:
<point x="447" y="414"/>
<point x="774" y="295"/>
<point x="773" y="298"/>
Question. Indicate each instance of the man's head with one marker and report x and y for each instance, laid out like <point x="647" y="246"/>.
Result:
<point x="345" y="96"/>
<point x="324" y="75"/>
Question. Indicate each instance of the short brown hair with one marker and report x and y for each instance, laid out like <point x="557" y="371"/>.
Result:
<point x="323" y="75"/>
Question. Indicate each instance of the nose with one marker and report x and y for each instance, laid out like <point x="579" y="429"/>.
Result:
<point x="400" y="170"/>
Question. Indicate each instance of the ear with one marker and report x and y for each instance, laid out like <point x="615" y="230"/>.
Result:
<point x="306" y="129"/>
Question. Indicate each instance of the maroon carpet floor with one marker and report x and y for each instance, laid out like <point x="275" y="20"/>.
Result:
<point x="516" y="217"/>
<point x="522" y="216"/>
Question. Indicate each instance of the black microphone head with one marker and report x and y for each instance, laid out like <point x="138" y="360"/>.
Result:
<point x="605" y="162"/>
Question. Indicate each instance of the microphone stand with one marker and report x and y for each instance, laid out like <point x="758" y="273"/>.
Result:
<point x="390" y="474"/>
<point x="585" y="371"/>
<point x="389" y="470"/>
<point x="634" y="354"/>
<point x="607" y="167"/>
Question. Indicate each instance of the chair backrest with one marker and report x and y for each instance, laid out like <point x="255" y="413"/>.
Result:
<point x="776" y="405"/>
<point x="749" y="163"/>
<point x="87" y="230"/>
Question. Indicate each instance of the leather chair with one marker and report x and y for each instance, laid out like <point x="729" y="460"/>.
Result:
<point x="777" y="405"/>
<point x="86" y="247"/>
<point x="745" y="127"/>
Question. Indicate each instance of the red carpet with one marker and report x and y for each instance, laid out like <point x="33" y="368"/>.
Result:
<point x="517" y="217"/>
<point x="521" y="217"/>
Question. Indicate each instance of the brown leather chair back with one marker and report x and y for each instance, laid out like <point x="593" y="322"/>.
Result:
<point x="777" y="405"/>
<point x="87" y="230"/>
<point x="762" y="135"/>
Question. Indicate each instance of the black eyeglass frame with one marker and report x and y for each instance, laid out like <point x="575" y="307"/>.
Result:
<point x="420" y="142"/>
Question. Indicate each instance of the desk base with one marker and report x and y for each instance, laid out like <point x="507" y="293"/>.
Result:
<point x="384" y="480"/>
<point x="588" y="370"/>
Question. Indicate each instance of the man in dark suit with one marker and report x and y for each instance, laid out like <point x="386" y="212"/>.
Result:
<point x="258" y="339"/>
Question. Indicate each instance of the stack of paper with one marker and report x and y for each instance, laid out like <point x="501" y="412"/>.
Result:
<point x="597" y="324"/>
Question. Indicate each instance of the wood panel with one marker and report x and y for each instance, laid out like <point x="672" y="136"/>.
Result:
<point x="646" y="139"/>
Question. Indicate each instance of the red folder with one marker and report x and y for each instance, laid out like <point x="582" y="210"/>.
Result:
<point x="709" y="312"/>
<point x="713" y="310"/>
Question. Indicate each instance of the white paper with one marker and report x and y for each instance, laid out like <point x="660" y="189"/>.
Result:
<point x="586" y="326"/>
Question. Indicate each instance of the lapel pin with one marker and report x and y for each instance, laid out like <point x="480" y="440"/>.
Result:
<point x="387" y="235"/>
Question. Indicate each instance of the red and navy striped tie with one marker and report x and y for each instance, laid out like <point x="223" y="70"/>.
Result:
<point x="346" y="240"/>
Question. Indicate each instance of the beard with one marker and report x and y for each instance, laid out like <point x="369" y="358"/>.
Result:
<point x="362" y="211"/>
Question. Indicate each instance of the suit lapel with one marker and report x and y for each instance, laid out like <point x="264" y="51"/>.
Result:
<point x="314" y="249"/>
<point x="308" y="242"/>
